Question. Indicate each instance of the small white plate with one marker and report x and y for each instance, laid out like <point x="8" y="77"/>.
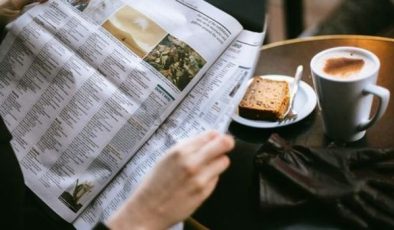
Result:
<point x="304" y="103"/>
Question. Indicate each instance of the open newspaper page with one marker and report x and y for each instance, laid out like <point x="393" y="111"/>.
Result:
<point x="80" y="98"/>
<point x="209" y="105"/>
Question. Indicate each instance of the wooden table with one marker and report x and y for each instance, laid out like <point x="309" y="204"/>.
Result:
<point x="234" y="203"/>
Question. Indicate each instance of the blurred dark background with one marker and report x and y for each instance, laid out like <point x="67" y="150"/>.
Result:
<point x="303" y="18"/>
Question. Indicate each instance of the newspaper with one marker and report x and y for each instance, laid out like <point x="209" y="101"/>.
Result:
<point x="93" y="99"/>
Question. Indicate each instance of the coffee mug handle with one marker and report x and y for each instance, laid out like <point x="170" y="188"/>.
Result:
<point x="383" y="95"/>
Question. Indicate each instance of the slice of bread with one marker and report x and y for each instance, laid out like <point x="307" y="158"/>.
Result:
<point x="265" y="99"/>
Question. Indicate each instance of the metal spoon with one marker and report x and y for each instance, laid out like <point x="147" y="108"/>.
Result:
<point x="290" y="113"/>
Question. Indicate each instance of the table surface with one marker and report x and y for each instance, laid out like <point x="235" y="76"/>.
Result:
<point x="234" y="203"/>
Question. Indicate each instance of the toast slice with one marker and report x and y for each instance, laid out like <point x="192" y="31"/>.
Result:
<point x="265" y="99"/>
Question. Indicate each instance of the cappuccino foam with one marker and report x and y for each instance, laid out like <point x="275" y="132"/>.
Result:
<point x="344" y="64"/>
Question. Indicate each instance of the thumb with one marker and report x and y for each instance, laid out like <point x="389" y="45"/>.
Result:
<point x="19" y="4"/>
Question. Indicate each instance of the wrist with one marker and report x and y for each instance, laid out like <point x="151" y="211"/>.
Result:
<point x="137" y="214"/>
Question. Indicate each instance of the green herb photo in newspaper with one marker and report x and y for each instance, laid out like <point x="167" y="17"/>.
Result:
<point x="177" y="61"/>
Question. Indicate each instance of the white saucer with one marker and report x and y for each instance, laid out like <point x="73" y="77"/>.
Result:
<point x="304" y="103"/>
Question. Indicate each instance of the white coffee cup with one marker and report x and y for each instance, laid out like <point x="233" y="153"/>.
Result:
<point x="345" y="82"/>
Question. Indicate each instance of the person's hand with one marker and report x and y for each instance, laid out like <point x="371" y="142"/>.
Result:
<point x="177" y="185"/>
<point x="10" y="9"/>
<point x="17" y="4"/>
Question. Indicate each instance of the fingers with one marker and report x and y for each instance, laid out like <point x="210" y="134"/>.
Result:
<point x="202" y="160"/>
<point x="386" y="185"/>
<point x="203" y="148"/>
<point x="367" y="157"/>
<point x="202" y="191"/>
<point x="381" y="194"/>
<point x="350" y="216"/>
<point x="213" y="169"/>
<point x="206" y="181"/>
<point x="19" y="4"/>
<point x="193" y="144"/>
<point x="216" y="147"/>
<point x="364" y="212"/>
<point x="373" y="213"/>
